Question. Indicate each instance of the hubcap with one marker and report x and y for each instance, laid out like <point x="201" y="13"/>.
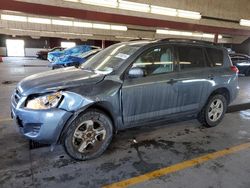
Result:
<point x="215" y="110"/>
<point x="89" y="136"/>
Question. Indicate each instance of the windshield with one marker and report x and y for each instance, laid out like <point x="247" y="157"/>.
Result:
<point x="110" y="58"/>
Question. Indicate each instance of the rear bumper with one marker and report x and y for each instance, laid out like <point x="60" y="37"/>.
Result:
<point x="42" y="126"/>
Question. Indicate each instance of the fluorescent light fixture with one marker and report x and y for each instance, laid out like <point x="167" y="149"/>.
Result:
<point x="83" y="24"/>
<point x="187" y="34"/>
<point x="210" y="36"/>
<point x="101" y="26"/>
<point x="163" y="10"/>
<point x="104" y="3"/>
<point x="74" y="1"/>
<point x="126" y="37"/>
<point x="13" y="18"/>
<point x="189" y="14"/>
<point x="78" y="34"/>
<point x="244" y="22"/>
<point x="128" y="5"/>
<point x="62" y="22"/>
<point x="119" y="27"/>
<point x="39" y="20"/>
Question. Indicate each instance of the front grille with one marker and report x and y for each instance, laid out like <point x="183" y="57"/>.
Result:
<point x="17" y="96"/>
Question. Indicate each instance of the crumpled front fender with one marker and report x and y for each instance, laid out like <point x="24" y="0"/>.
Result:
<point x="72" y="102"/>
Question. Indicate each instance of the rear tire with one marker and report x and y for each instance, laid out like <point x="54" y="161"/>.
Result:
<point x="89" y="135"/>
<point x="214" y="110"/>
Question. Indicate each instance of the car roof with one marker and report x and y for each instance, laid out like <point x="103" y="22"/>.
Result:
<point x="238" y="55"/>
<point x="174" y="41"/>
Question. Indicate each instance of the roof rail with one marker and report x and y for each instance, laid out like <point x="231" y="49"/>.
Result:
<point x="186" y="40"/>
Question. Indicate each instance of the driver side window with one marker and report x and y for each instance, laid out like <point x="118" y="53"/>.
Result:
<point x="155" y="61"/>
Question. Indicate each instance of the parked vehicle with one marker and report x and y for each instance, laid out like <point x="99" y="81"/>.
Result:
<point x="74" y="51"/>
<point x="125" y="85"/>
<point x="73" y="60"/>
<point x="242" y="62"/>
<point x="43" y="54"/>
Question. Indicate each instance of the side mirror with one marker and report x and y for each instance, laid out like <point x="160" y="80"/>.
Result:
<point x="136" y="72"/>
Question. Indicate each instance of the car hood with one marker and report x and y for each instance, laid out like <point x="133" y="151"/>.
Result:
<point x="57" y="80"/>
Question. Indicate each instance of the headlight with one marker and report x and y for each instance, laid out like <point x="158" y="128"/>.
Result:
<point x="45" y="101"/>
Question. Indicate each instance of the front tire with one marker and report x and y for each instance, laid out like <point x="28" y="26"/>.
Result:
<point x="89" y="135"/>
<point x="214" y="111"/>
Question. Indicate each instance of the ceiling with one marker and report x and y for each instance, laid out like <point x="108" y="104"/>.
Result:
<point x="217" y="17"/>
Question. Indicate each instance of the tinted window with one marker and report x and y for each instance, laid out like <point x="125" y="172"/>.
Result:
<point x="215" y="57"/>
<point x="191" y="57"/>
<point x="157" y="60"/>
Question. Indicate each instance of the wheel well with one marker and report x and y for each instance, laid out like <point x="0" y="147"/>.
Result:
<point x="101" y="108"/>
<point x="96" y="106"/>
<point x="222" y="91"/>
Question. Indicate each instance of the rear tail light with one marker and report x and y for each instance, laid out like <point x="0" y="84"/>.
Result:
<point x="235" y="69"/>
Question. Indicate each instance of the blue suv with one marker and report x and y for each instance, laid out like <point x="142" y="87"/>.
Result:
<point x="125" y="85"/>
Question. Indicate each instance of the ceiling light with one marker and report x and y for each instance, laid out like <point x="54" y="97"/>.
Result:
<point x="74" y="1"/>
<point x="163" y="10"/>
<point x="126" y="37"/>
<point x="140" y="7"/>
<point x="13" y="18"/>
<point x="78" y="34"/>
<point x="119" y="27"/>
<point x="101" y="26"/>
<point x="244" y="22"/>
<point x="39" y="20"/>
<point x="83" y="24"/>
<point x="62" y="22"/>
<point x="211" y="36"/>
<point x="189" y="14"/>
<point x="105" y="3"/>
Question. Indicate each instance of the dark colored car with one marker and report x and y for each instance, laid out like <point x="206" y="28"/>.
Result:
<point x="125" y="85"/>
<point x="74" y="60"/>
<point x="242" y="62"/>
<point x="43" y="54"/>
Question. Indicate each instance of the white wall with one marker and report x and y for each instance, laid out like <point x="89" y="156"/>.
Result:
<point x="27" y="51"/>
<point x="32" y="51"/>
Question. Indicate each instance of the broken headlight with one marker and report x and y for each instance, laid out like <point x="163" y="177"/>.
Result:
<point x="44" y="102"/>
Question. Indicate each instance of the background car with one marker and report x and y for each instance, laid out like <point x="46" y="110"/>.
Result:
<point x="74" y="60"/>
<point x="242" y="62"/>
<point x="43" y="54"/>
<point x="74" y="51"/>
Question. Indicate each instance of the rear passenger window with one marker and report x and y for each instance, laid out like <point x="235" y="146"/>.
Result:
<point x="215" y="57"/>
<point x="191" y="57"/>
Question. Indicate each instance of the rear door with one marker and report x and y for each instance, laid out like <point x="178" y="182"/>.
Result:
<point x="194" y="77"/>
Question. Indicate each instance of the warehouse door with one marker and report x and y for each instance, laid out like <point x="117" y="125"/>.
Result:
<point x="15" y="47"/>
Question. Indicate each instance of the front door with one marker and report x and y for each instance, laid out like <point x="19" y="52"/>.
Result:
<point x="154" y="95"/>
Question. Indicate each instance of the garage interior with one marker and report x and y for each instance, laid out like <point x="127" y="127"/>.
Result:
<point x="173" y="154"/>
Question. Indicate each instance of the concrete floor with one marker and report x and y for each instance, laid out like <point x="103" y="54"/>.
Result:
<point x="132" y="152"/>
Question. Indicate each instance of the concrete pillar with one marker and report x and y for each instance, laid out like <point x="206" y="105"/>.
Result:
<point x="103" y="44"/>
<point x="216" y="37"/>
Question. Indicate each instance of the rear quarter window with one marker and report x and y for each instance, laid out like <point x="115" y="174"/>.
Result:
<point x="215" y="57"/>
<point x="191" y="57"/>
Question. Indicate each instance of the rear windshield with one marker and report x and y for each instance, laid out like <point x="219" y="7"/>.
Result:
<point x="215" y="57"/>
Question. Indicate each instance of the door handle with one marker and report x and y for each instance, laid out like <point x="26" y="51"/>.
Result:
<point x="172" y="81"/>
